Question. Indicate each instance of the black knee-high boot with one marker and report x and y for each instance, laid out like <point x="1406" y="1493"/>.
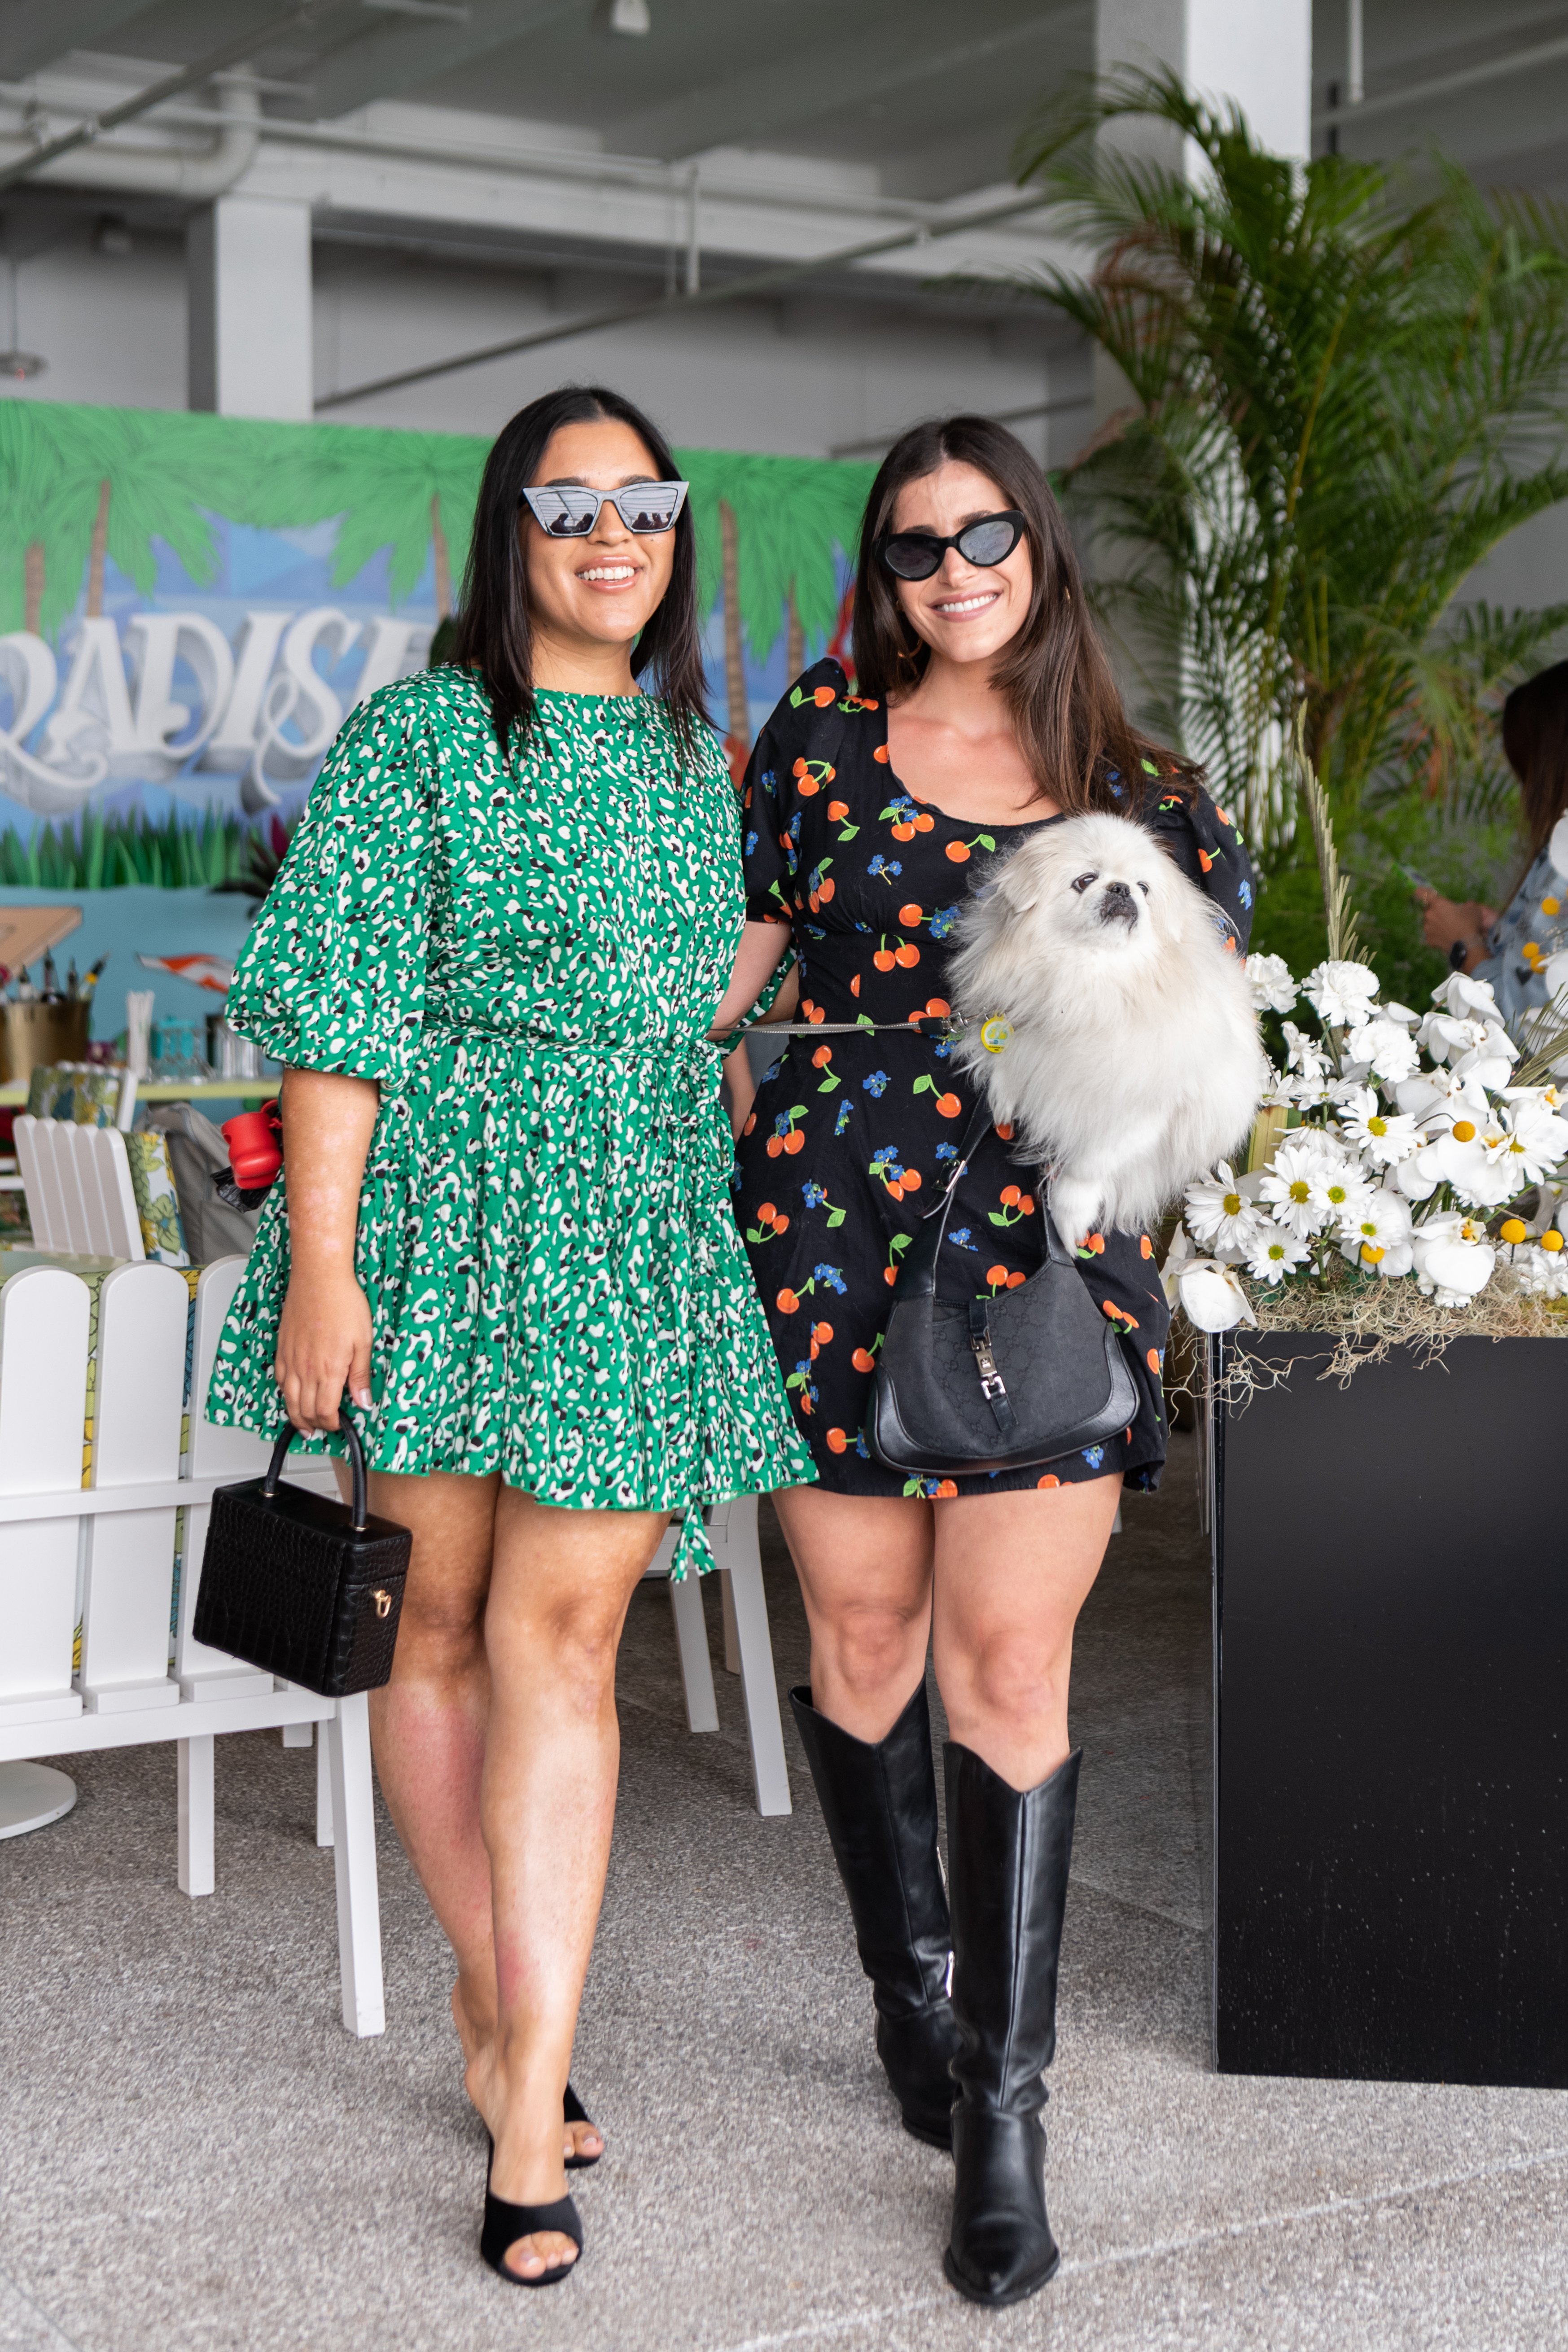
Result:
<point x="1008" y="1851"/>
<point x="878" y="1799"/>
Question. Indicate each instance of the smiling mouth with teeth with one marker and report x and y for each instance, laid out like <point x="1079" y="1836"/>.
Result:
<point x="618" y="572"/>
<point x="969" y="603"/>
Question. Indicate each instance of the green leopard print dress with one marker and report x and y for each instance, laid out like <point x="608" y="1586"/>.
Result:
<point x="526" y="955"/>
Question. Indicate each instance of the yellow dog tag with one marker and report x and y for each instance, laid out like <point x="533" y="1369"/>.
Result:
<point x="994" y="1032"/>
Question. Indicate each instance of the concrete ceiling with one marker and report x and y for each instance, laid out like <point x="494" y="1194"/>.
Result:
<point x="1506" y="116"/>
<point x="928" y="96"/>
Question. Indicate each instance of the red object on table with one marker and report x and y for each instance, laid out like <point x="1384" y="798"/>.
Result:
<point x="255" y="1141"/>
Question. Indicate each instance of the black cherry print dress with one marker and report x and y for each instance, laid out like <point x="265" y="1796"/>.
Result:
<point x="852" y="1139"/>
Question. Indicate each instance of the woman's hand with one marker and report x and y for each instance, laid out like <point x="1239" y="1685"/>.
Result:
<point x="324" y="1331"/>
<point x="1446" y="923"/>
<point x="323" y="1346"/>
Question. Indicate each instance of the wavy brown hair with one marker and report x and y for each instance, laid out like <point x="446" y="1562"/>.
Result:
<point x="1535" y="737"/>
<point x="495" y="633"/>
<point x="1066" y="709"/>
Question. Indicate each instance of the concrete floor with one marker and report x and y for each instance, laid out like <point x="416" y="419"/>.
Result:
<point x="194" y="2155"/>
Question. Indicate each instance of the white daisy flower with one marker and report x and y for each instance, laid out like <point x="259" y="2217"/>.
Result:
<point x="1290" y="1187"/>
<point x="1275" y="1253"/>
<point x="1218" y="1211"/>
<point x="1341" y="993"/>
<point x="1273" y="989"/>
<point x="1340" y="1191"/>
<point x="1383" y="1136"/>
<point x="1378" y="1238"/>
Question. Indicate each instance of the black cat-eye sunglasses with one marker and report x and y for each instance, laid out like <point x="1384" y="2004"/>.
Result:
<point x="916" y="554"/>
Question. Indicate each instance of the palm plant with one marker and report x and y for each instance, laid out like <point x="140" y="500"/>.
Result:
<point x="1343" y="391"/>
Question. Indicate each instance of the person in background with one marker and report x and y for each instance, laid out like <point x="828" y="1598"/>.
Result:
<point x="1512" y="950"/>
<point x="491" y="963"/>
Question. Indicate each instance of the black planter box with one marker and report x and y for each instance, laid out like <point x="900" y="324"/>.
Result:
<point x="1391" y="1684"/>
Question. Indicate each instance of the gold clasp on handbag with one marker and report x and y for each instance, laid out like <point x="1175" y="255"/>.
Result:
<point x="383" y="1603"/>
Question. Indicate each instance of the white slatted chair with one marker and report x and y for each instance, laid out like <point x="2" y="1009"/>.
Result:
<point x="78" y="1185"/>
<point x="748" y="1646"/>
<point x="123" y="1524"/>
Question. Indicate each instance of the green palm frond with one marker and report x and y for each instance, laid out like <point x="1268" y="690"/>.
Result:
<point x="1344" y="393"/>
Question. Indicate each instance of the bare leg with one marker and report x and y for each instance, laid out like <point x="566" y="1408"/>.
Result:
<point x="865" y="1569"/>
<point x="1012" y="1572"/>
<point x="428" y="1728"/>
<point x="559" y="1592"/>
<point x="428" y="1724"/>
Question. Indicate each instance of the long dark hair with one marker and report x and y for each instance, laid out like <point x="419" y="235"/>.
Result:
<point x="495" y="633"/>
<point x="1535" y="737"/>
<point x="1066" y="710"/>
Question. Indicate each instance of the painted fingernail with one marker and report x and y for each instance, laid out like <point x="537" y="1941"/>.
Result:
<point x="361" y="1396"/>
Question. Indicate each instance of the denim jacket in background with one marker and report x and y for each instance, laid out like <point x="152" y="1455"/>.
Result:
<point x="1533" y="927"/>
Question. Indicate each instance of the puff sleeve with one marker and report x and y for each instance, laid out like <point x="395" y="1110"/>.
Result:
<point x="771" y="809"/>
<point x="1205" y="843"/>
<point x="332" y="975"/>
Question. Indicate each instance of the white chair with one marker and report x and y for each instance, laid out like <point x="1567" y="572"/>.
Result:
<point x="122" y="1526"/>
<point x="77" y="1184"/>
<point x="748" y="1646"/>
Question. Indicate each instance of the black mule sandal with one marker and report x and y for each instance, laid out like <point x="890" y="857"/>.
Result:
<point x="576" y="2112"/>
<point x="504" y="2224"/>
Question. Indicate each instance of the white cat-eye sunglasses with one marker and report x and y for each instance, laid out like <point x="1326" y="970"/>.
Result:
<point x="572" y="510"/>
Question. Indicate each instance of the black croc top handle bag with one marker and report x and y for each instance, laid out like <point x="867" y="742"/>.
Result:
<point x="971" y="1386"/>
<point x="302" y="1585"/>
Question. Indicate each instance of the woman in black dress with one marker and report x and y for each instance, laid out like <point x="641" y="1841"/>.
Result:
<point x="986" y="708"/>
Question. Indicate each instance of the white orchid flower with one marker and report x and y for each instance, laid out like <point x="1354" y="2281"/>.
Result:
<point x="1529" y="1141"/>
<point x="1341" y="993"/>
<point x="1419" y="1176"/>
<point x="1273" y="989"/>
<point x="1181" y="1253"/>
<point x="1219" y="1213"/>
<point x="1211" y="1297"/>
<point x="1389" y="1011"/>
<point x="1383" y="1136"/>
<point x="1289" y="1186"/>
<point x="1454" y="1260"/>
<point x="1380" y="1235"/>
<point x="1448" y="1035"/>
<point x="1275" y="1253"/>
<point x="1464" y="997"/>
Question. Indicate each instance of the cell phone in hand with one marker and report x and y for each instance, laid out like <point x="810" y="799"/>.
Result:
<point x="1417" y="881"/>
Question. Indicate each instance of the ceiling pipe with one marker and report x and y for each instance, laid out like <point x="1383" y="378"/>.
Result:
<point x="1451" y="85"/>
<point x="36" y="157"/>
<point x="198" y="172"/>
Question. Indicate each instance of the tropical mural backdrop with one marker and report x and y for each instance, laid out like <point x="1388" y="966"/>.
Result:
<point x="190" y="604"/>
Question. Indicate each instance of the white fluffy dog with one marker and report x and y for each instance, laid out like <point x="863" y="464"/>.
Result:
<point x="1131" y="1060"/>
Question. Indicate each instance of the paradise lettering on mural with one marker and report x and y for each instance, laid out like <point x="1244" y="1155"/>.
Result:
<point x="117" y="709"/>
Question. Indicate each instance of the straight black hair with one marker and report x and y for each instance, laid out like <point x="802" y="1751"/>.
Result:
<point x="1535" y="737"/>
<point x="1066" y="711"/>
<point x="495" y="632"/>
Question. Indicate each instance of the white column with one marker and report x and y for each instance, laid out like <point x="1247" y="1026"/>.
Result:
<point x="1257" y="52"/>
<point x="249" y="272"/>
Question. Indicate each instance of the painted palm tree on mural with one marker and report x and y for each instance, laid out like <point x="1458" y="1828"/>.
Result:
<point x="768" y="529"/>
<point x="410" y="493"/>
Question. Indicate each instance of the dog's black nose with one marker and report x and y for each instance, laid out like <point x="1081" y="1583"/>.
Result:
<point x="1117" y="904"/>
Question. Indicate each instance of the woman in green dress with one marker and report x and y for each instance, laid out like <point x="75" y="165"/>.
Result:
<point x="491" y="965"/>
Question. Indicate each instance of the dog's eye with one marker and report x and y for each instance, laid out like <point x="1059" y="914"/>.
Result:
<point x="1084" y="880"/>
<point x="1144" y="888"/>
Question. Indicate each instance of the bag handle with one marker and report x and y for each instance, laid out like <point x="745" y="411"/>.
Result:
<point x="286" y="1437"/>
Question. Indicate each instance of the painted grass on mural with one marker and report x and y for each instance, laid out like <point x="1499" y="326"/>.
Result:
<point x="126" y="851"/>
